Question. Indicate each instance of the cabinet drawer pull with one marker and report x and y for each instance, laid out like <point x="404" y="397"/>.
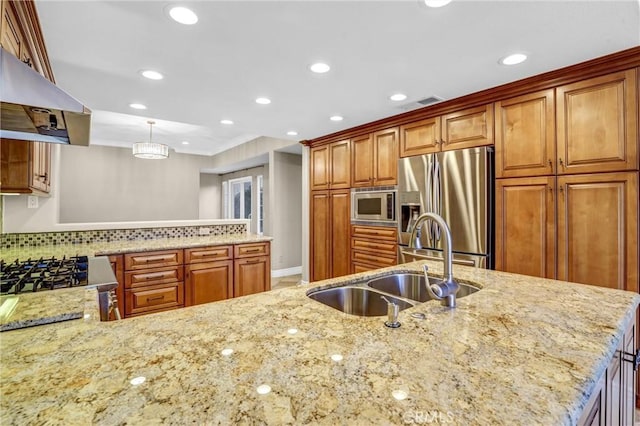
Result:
<point x="253" y="261"/>
<point x="156" y="259"/>
<point x="151" y="299"/>
<point x="252" y="250"/>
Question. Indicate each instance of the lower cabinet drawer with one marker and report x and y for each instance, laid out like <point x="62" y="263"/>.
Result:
<point x="382" y="248"/>
<point x="155" y="276"/>
<point x="373" y="259"/>
<point x="208" y="254"/>
<point x="250" y="250"/>
<point x="152" y="298"/>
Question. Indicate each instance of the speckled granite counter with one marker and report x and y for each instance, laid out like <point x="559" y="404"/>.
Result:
<point x="116" y="247"/>
<point x="520" y="351"/>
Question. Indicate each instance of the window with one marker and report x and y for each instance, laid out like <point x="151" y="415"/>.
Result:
<point x="239" y="201"/>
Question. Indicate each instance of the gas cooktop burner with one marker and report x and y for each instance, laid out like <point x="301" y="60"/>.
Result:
<point x="43" y="274"/>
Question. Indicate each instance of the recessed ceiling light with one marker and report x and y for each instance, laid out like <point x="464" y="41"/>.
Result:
<point x="320" y="68"/>
<point x="336" y="118"/>
<point x="138" y="106"/>
<point x="436" y="3"/>
<point x="183" y="15"/>
<point x="185" y="143"/>
<point x="398" y="97"/>
<point x="513" y="59"/>
<point x="292" y="133"/>
<point x="226" y="122"/>
<point x="152" y="75"/>
<point x="263" y="101"/>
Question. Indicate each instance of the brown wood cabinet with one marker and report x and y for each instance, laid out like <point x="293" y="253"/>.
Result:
<point x="331" y="166"/>
<point x="461" y="129"/>
<point x="153" y="281"/>
<point x="525" y="226"/>
<point x="251" y="269"/>
<point x="373" y="247"/>
<point x="612" y="401"/>
<point x="598" y="229"/>
<point x="208" y="282"/>
<point x="525" y="135"/>
<point x="25" y="167"/>
<point x="330" y="222"/>
<point x="598" y="124"/>
<point x="374" y="159"/>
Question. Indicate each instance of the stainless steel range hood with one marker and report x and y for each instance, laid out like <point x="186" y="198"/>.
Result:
<point x="35" y="109"/>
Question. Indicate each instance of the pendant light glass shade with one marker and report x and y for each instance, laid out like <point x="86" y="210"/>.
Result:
<point x="150" y="150"/>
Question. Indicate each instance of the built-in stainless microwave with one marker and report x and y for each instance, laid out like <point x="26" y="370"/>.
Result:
<point x="373" y="205"/>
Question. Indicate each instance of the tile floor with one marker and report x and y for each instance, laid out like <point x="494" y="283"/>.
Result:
<point x="288" y="281"/>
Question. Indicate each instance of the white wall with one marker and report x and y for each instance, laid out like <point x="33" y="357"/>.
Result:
<point x="286" y="202"/>
<point x="210" y="196"/>
<point x="107" y="184"/>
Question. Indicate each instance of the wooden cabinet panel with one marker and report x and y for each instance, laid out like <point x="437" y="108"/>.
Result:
<point x="598" y="229"/>
<point x="153" y="298"/>
<point x="208" y="282"/>
<point x="320" y="167"/>
<point x="373" y="247"/>
<point x="340" y="207"/>
<point x="525" y="135"/>
<point x="628" y="376"/>
<point x="25" y="167"/>
<point x="362" y="158"/>
<point x="525" y="226"/>
<point x="420" y="137"/>
<point x="152" y="259"/>
<point x="340" y="165"/>
<point x="117" y="264"/>
<point x="320" y="266"/>
<point x="385" y="159"/>
<point x="154" y="276"/>
<point x="10" y="37"/>
<point x="594" y="412"/>
<point x="251" y="275"/>
<point x="468" y="128"/>
<point x="251" y="250"/>
<point x="598" y="124"/>
<point x="208" y="254"/>
<point x="375" y="232"/>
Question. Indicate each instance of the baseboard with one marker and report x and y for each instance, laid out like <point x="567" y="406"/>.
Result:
<point x="276" y="273"/>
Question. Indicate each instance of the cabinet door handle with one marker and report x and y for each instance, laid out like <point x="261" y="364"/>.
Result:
<point x="437" y="142"/>
<point x="151" y="299"/>
<point x="551" y="165"/>
<point x="561" y="163"/>
<point x="551" y="193"/>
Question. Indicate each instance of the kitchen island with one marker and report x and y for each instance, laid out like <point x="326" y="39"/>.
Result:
<point x="521" y="350"/>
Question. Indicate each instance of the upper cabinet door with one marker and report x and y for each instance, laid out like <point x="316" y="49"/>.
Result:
<point x="525" y="135"/>
<point x="468" y="128"/>
<point x="420" y="137"/>
<point x="320" y="167"/>
<point x="340" y="165"/>
<point x="597" y="124"/>
<point x="362" y="161"/>
<point x="385" y="163"/>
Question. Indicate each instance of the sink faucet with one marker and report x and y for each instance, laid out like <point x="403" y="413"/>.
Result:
<point x="446" y="289"/>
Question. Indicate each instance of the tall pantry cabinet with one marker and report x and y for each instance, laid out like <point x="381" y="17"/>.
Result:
<point x="567" y="182"/>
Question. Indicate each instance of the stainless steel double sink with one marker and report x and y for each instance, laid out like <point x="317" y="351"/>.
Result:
<point x="365" y="298"/>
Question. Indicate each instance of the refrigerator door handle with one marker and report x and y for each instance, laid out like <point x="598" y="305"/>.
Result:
<point x="437" y="194"/>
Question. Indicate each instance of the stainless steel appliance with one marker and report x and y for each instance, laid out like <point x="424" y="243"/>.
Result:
<point x="373" y="205"/>
<point x="457" y="185"/>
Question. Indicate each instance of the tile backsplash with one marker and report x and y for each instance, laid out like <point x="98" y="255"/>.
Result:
<point x="86" y="237"/>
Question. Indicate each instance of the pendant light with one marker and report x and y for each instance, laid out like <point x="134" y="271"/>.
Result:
<point x="150" y="150"/>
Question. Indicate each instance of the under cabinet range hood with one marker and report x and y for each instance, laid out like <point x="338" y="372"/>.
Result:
<point x="35" y="109"/>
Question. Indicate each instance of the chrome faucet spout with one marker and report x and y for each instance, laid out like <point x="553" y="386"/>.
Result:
<point x="446" y="289"/>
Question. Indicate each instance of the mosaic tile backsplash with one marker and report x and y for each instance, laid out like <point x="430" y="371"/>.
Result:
<point x="86" y="237"/>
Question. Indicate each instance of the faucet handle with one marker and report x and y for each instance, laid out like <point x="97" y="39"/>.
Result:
<point x="435" y="291"/>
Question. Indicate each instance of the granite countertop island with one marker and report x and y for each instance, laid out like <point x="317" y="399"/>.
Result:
<point x="521" y="350"/>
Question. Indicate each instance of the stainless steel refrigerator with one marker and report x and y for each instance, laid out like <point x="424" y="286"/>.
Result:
<point x="457" y="185"/>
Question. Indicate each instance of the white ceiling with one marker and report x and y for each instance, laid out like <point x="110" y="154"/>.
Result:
<point x="240" y="50"/>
